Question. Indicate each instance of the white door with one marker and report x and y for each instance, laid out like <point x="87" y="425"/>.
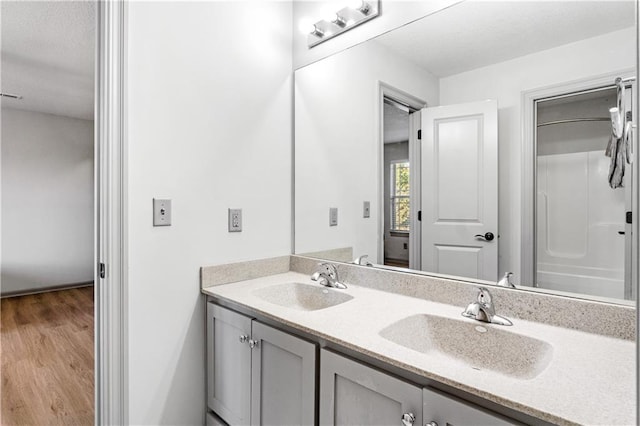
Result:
<point x="460" y="190"/>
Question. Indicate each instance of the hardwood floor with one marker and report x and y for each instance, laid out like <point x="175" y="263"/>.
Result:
<point x="47" y="358"/>
<point x="396" y="262"/>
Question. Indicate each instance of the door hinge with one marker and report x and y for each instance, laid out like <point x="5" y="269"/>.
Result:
<point x="420" y="134"/>
<point x="102" y="270"/>
<point x="629" y="217"/>
<point x="419" y="215"/>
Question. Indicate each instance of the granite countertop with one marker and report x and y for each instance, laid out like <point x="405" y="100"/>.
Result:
<point x="590" y="378"/>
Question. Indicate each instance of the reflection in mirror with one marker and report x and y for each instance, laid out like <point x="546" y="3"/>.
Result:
<point x="580" y="220"/>
<point x="479" y="148"/>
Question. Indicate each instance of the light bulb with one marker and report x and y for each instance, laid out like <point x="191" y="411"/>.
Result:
<point x="306" y="26"/>
<point x="317" y="31"/>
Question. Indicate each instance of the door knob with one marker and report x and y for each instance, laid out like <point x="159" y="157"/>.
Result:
<point x="408" y="419"/>
<point x="487" y="237"/>
<point x="244" y="338"/>
<point x="253" y="343"/>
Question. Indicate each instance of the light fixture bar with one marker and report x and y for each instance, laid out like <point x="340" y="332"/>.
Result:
<point x="10" y="95"/>
<point x="346" y="18"/>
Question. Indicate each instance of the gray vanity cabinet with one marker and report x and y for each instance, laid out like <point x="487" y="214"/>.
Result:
<point x="354" y="394"/>
<point x="256" y="374"/>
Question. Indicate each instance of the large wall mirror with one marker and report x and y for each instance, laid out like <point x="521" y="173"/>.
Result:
<point x="471" y="143"/>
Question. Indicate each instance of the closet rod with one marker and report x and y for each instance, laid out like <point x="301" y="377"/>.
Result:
<point x="574" y="120"/>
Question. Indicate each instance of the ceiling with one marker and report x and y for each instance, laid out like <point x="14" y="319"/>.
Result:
<point x="396" y="124"/>
<point x="47" y="50"/>
<point x="47" y="56"/>
<point x="495" y="31"/>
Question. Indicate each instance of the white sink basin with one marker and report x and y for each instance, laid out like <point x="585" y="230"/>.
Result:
<point x="302" y="297"/>
<point x="481" y="346"/>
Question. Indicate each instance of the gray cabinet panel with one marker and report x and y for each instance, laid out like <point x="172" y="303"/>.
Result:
<point x="449" y="411"/>
<point x="229" y="365"/>
<point x="354" y="394"/>
<point x="283" y="383"/>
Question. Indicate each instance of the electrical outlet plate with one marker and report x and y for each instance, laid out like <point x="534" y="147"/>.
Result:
<point x="366" y="209"/>
<point x="333" y="216"/>
<point x="161" y="212"/>
<point x="235" y="220"/>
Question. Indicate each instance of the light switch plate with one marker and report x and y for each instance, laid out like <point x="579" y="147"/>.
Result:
<point x="235" y="220"/>
<point x="161" y="212"/>
<point x="333" y="216"/>
<point x="366" y="209"/>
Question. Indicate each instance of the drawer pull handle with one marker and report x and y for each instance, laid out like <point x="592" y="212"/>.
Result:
<point x="244" y="338"/>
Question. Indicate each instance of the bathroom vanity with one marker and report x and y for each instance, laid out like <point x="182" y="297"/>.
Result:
<point x="393" y="348"/>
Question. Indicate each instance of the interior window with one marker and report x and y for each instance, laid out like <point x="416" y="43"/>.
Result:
<point x="400" y="201"/>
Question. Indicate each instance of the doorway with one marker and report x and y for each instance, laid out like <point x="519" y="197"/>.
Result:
<point x="48" y="215"/>
<point x="397" y="184"/>
<point x="400" y="174"/>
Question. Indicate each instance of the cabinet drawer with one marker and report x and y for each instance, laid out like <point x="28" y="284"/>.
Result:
<point x="450" y="411"/>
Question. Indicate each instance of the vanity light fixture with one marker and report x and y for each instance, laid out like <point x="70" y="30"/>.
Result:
<point x="358" y="12"/>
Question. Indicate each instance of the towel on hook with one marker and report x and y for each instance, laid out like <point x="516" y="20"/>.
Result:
<point x="618" y="153"/>
<point x="619" y="146"/>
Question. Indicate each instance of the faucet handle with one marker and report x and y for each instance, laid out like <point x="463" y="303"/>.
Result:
<point x="486" y="301"/>
<point x="505" y="281"/>
<point x="329" y="269"/>
<point x="484" y="296"/>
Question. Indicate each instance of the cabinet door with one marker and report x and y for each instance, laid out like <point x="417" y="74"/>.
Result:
<point x="229" y="364"/>
<point x="449" y="411"/>
<point x="354" y="394"/>
<point x="283" y="378"/>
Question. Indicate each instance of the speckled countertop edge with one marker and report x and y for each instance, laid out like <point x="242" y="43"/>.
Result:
<point x="565" y="393"/>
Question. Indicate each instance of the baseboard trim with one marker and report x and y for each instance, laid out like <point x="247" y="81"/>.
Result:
<point x="45" y="289"/>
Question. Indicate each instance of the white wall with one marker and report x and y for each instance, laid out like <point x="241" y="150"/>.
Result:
<point x="47" y="201"/>
<point x="209" y="126"/>
<point x="393" y="13"/>
<point x="505" y="82"/>
<point x="338" y="161"/>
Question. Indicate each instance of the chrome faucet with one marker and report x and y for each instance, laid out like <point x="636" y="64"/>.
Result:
<point x="327" y="275"/>
<point x="483" y="309"/>
<point x="362" y="260"/>
<point x="506" y="281"/>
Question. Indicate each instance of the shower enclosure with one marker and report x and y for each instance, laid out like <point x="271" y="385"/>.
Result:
<point x="582" y="238"/>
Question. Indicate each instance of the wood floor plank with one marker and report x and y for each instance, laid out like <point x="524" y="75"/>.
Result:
<point x="47" y="358"/>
